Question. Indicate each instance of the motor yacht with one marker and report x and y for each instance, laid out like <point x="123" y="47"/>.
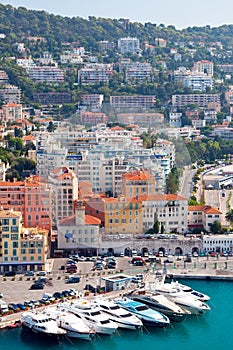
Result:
<point x="175" y="294"/>
<point x="122" y="317"/>
<point x="92" y="315"/>
<point x="41" y="323"/>
<point x="161" y="304"/>
<point x="188" y="290"/>
<point x="73" y="324"/>
<point x="147" y="315"/>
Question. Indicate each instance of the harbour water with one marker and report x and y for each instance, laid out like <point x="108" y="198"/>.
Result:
<point x="210" y="331"/>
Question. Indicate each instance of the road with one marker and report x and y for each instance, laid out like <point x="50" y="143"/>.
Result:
<point x="186" y="182"/>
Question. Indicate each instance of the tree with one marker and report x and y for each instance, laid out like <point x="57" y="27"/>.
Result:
<point x="229" y="216"/>
<point x="216" y="227"/>
<point x="156" y="226"/>
<point x="51" y="127"/>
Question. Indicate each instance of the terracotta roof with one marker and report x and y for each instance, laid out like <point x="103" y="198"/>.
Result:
<point x="162" y="197"/>
<point x="207" y="209"/>
<point x="138" y="175"/>
<point x="10" y="214"/>
<point x="89" y="220"/>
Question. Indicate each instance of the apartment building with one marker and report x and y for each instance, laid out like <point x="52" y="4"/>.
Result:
<point x="94" y="75"/>
<point x="169" y="209"/>
<point x="10" y="93"/>
<point x="136" y="72"/>
<point x="11" y="112"/>
<point x="204" y="66"/>
<point x="136" y="101"/>
<point x="137" y="183"/>
<point x="52" y="97"/>
<point x="93" y="102"/>
<point x="201" y="100"/>
<point x="129" y="45"/>
<point x="46" y="74"/>
<point x="3" y="77"/>
<point x="106" y="45"/>
<point x="203" y="216"/>
<point x="175" y="119"/>
<point x="160" y="42"/>
<point x="198" y="82"/>
<point x="31" y="197"/>
<point x="79" y="233"/>
<point x="93" y="118"/>
<point x="21" y="248"/>
<point x="64" y="191"/>
<point x="141" y="119"/>
<point x="68" y="57"/>
<point x="123" y="215"/>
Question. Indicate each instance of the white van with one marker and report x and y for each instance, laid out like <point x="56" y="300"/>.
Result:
<point x="170" y="259"/>
<point x="161" y="254"/>
<point x="3" y="306"/>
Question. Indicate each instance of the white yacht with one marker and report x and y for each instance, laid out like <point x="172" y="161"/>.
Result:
<point x="41" y="323"/>
<point x="188" y="290"/>
<point x="73" y="324"/>
<point x="161" y="304"/>
<point x="92" y="315"/>
<point x="196" y="307"/>
<point x="123" y="318"/>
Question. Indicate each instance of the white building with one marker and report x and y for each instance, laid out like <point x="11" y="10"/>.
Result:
<point x="169" y="209"/>
<point x="175" y="119"/>
<point x="79" y="232"/>
<point x="204" y="66"/>
<point x="203" y="216"/>
<point x="128" y="45"/>
<point x="218" y="243"/>
<point x="198" y="82"/>
<point x="64" y="191"/>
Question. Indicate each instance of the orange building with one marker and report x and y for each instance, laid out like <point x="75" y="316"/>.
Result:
<point x="137" y="183"/>
<point x="31" y="197"/>
<point x="123" y="216"/>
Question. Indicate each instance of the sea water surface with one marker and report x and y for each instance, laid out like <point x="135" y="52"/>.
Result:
<point x="210" y="331"/>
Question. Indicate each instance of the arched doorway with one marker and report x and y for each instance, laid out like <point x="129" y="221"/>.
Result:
<point x="195" y="250"/>
<point x="128" y="252"/>
<point x="178" y="251"/>
<point x="145" y="252"/>
<point x="110" y="252"/>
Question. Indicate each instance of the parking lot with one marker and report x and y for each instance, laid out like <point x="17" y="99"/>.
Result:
<point x="17" y="289"/>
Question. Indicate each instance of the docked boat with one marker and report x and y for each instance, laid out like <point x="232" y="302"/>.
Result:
<point x="188" y="290"/>
<point x="161" y="304"/>
<point x="147" y="315"/>
<point x="122" y="317"/>
<point x="92" y="315"/>
<point x="175" y="294"/>
<point x="73" y="324"/>
<point x="41" y="323"/>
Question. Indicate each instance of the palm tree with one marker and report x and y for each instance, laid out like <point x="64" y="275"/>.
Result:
<point x="229" y="216"/>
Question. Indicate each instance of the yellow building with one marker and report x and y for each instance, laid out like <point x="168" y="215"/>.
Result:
<point x="21" y="249"/>
<point x="123" y="216"/>
<point x="137" y="183"/>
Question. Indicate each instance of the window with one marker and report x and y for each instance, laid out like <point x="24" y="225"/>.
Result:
<point x="15" y="245"/>
<point x="5" y="244"/>
<point x="23" y="251"/>
<point x="14" y="252"/>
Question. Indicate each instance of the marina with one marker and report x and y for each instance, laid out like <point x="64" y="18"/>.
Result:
<point x="205" y="331"/>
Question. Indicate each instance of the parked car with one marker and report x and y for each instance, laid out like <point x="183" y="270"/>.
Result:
<point x="58" y="295"/>
<point x="29" y="273"/>
<point x="34" y="303"/>
<point x="9" y="274"/>
<point x="21" y="306"/>
<point x="41" y="273"/>
<point x="37" y="286"/>
<point x="28" y="304"/>
<point x="13" y="307"/>
<point x="73" y="279"/>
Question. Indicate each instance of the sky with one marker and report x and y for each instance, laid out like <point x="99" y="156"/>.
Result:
<point x="180" y="13"/>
